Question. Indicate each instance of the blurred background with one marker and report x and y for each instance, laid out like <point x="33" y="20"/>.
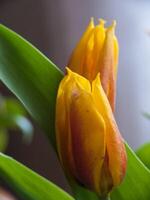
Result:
<point x="54" y="26"/>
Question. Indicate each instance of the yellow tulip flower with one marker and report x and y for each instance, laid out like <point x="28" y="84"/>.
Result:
<point x="89" y="143"/>
<point x="97" y="51"/>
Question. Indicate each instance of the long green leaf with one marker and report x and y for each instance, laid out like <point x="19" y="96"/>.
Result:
<point x="136" y="185"/>
<point x="28" y="184"/>
<point x="144" y="154"/>
<point x="3" y="140"/>
<point x="36" y="85"/>
<point x="30" y="75"/>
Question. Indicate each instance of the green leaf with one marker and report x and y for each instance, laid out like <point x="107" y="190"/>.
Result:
<point x="144" y="154"/>
<point x="3" y="140"/>
<point x="31" y="76"/>
<point x="146" y="115"/>
<point x="81" y="193"/>
<point x="12" y="116"/>
<point x="38" y="81"/>
<point x="28" y="184"/>
<point x="136" y="185"/>
<point x="12" y="106"/>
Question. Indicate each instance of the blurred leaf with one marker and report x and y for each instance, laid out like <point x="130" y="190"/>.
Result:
<point x="3" y="140"/>
<point x="28" y="184"/>
<point x="38" y="81"/>
<point x="13" y="107"/>
<point x="12" y="116"/>
<point x="146" y="115"/>
<point x="26" y="127"/>
<point x="144" y="154"/>
<point x="31" y="76"/>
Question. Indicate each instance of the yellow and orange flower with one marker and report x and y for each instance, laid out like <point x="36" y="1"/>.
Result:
<point x="89" y="143"/>
<point x="97" y="51"/>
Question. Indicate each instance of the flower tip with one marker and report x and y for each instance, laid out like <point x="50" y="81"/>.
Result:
<point x="97" y="80"/>
<point x="68" y="71"/>
<point x="112" y="27"/>
<point x="101" y="21"/>
<point x="114" y="23"/>
<point x="92" y="21"/>
<point x="98" y="75"/>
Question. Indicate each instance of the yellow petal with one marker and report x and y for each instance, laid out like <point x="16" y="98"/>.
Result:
<point x="88" y="139"/>
<point x="66" y="90"/>
<point x="97" y="51"/>
<point x="93" y="51"/>
<point x="116" y="55"/>
<point x="80" y="131"/>
<point x="115" y="146"/>
<point x="77" y="57"/>
<point x="106" y="64"/>
<point x="63" y="127"/>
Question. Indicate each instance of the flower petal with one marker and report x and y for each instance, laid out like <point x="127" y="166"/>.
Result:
<point x="88" y="139"/>
<point x="93" y="50"/>
<point x="115" y="145"/>
<point x="77" y="57"/>
<point x="107" y="64"/>
<point x="63" y="136"/>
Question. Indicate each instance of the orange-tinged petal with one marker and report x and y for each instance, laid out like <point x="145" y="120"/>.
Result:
<point x="88" y="139"/>
<point x="93" y="51"/>
<point x="89" y="143"/>
<point x="106" y="65"/>
<point x="62" y="128"/>
<point x="97" y="51"/>
<point x="76" y="109"/>
<point x="64" y="96"/>
<point x="116" y="55"/>
<point x="115" y="145"/>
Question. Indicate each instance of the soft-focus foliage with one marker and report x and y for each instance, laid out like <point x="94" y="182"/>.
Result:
<point x="144" y="154"/>
<point x="28" y="184"/>
<point x="13" y="117"/>
<point x="32" y="75"/>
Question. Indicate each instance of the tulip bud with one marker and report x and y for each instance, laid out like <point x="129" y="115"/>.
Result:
<point x="97" y="51"/>
<point x="89" y="144"/>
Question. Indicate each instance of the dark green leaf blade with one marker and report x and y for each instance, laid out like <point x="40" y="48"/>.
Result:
<point x="28" y="184"/>
<point x="144" y="154"/>
<point x="3" y="140"/>
<point x="31" y="76"/>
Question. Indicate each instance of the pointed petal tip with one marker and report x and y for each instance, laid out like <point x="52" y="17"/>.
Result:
<point x="97" y="79"/>
<point x="102" y="22"/>
<point x="112" y="26"/>
<point x="69" y="71"/>
<point x="98" y="76"/>
<point x="92" y="22"/>
<point x="114" y="23"/>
